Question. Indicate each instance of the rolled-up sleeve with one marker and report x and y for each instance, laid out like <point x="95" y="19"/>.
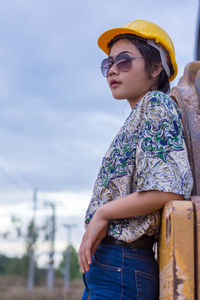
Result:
<point x="161" y="155"/>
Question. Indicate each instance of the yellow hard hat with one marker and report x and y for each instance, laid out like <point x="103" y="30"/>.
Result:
<point x="144" y="29"/>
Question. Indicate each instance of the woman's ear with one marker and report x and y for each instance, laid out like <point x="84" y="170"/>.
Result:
<point x="156" y="69"/>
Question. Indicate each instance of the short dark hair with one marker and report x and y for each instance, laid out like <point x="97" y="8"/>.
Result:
<point x="151" y="56"/>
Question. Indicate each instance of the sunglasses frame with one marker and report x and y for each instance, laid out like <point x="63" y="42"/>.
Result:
<point x="117" y="61"/>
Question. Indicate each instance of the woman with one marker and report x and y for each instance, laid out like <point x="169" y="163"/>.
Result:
<point x="145" y="166"/>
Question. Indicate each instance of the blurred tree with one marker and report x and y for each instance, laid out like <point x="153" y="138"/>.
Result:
<point x="3" y="261"/>
<point x="17" y="223"/>
<point x="14" y="266"/>
<point x="29" y="235"/>
<point x="10" y="266"/>
<point x="74" y="264"/>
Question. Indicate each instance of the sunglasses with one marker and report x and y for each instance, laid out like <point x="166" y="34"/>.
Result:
<point x="122" y="61"/>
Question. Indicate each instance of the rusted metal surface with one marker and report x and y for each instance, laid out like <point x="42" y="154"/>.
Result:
<point x="187" y="95"/>
<point x="197" y="50"/>
<point x="179" y="246"/>
<point x="176" y="252"/>
<point x="196" y="204"/>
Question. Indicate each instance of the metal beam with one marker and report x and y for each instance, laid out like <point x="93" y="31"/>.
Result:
<point x="197" y="50"/>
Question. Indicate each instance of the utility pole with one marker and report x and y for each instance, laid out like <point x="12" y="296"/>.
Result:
<point x="31" y="271"/>
<point x="52" y="225"/>
<point x="67" y="259"/>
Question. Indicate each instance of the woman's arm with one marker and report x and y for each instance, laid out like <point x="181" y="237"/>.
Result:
<point x="135" y="204"/>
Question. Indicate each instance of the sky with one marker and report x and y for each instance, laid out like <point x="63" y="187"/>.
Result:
<point x="57" y="115"/>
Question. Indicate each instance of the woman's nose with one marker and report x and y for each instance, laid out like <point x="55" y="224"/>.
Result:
<point x="113" y="70"/>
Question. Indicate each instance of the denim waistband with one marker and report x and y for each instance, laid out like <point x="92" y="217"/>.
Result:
<point x="145" y="242"/>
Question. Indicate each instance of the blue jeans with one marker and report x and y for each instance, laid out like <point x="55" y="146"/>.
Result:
<point x="122" y="273"/>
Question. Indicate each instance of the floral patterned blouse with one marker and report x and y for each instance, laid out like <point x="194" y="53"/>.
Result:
<point x="148" y="153"/>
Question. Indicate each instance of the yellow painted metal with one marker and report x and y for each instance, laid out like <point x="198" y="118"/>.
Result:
<point x="176" y="252"/>
<point x="196" y="203"/>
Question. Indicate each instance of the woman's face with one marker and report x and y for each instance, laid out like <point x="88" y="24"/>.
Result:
<point x="135" y="83"/>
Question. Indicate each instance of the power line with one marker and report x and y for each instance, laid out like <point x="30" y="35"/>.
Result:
<point x="12" y="180"/>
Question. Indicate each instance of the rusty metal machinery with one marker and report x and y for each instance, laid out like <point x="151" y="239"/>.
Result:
<point x="176" y="254"/>
<point x="196" y="205"/>
<point x="187" y="95"/>
<point x="179" y="244"/>
<point x="197" y="50"/>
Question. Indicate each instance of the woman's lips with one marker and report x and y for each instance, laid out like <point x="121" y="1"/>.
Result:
<point x="114" y="83"/>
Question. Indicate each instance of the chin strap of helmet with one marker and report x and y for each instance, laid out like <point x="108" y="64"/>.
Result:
<point x="163" y="55"/>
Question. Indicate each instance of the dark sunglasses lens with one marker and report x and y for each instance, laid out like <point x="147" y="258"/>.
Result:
<point x="124" y="65"/>
<point x="123" y="62"/>
<point x="105" y="66"/>
<point x="104" y="70"/>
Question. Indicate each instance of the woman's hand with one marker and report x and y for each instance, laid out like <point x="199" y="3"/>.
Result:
<point x="94" y="234"/>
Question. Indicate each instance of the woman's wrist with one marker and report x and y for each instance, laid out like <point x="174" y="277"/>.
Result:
<point x="100" y="213"/>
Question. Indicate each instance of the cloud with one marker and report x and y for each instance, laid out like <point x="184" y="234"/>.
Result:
<point x="57" y="115"/>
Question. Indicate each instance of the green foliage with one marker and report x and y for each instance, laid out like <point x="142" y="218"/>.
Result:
<point x="31" y="236"/>
<point x="17" y="223"/>
<point x="74" y="264"/>
<point x="3" y="262"/>
<point x="14" y="265"/>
